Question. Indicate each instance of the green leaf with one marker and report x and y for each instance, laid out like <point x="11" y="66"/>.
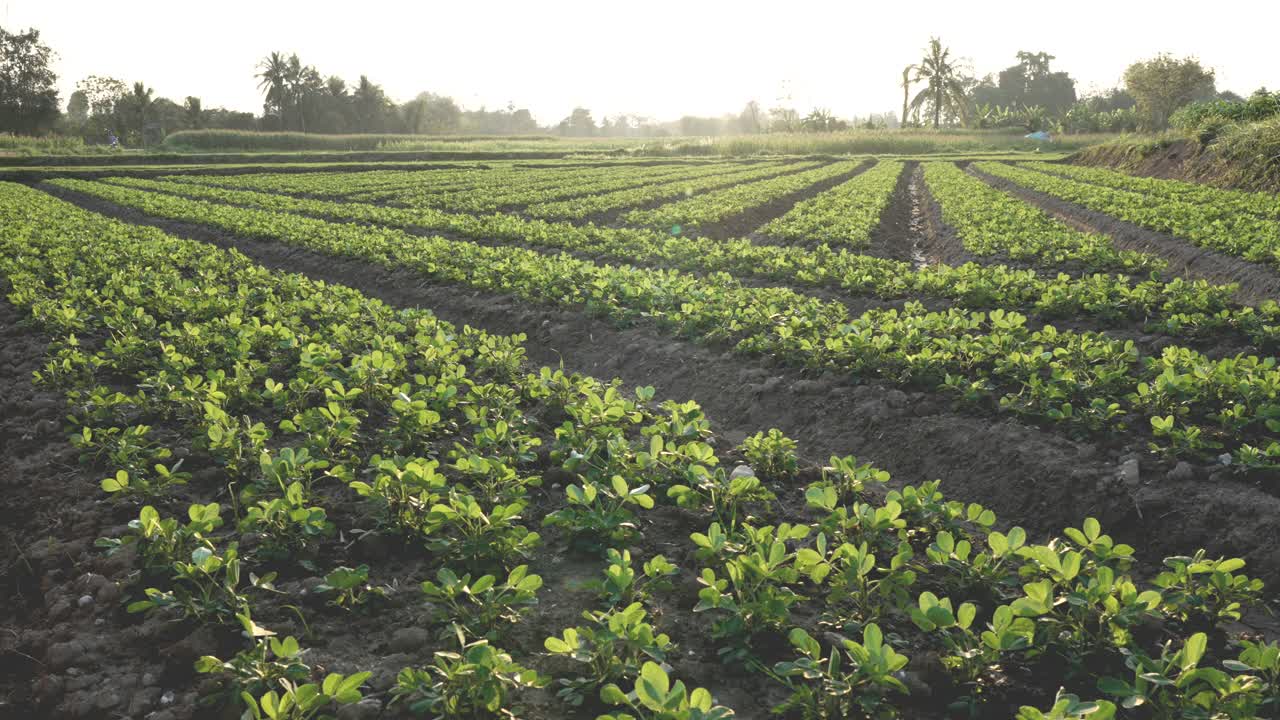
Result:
<point x="1194" y="650"/>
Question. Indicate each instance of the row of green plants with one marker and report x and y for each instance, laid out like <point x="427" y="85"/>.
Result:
<point x="1227" y="201"/>
<point x="565" y="184"/>
<point x="992" y="223"/>
<point x="303" y="395"/>
<point x="1180" y="308"/>
<point x="712" y="207"/>
<point x="1253" y="238"/>
<point x="307" y="394"/>
<point x="345" y="184"/>
<point x="580" y="208"/>
<point x="844" y="215"/>
<point x="1186" y="403"/>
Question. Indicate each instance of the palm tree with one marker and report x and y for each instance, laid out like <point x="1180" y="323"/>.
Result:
<point x="370" y="104"/>
<point x="944" y="89"/>
<point x="906" y="88"/>
<point x="192" y="112"/>
<point x="140" y="101"/>
<point x="273" y="82"/>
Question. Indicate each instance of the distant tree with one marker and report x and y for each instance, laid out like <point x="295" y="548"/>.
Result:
<point x="229" y="119"/>
<point x="944" y="90"/>
<point x="783" y="119"/>
<point x="193" y="115"/>
<point x="164" y="116"/>
<point x="1030" y="83"/>
<point x="906" y="90"/>
<point x="105" y="97"/>
<point x="578" y="124"/>
<point x="272" y="80"/>
<point x="28" y="94"/>
<point x="1164" y="84"/>
<point x="134" y="111"/>
<point x="431" y="114"/>
<point x="821" y="120"/>
<point x="371" y="106"/>
<point x="78" y="109"/>
<point x="750" y="120"/>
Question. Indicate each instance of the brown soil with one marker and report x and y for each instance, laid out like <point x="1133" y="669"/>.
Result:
<point x="1028" y="475"/>
<point x="1257" y="282"/>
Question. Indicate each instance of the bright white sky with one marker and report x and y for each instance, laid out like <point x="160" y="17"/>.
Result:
<point x="660" y="58"/>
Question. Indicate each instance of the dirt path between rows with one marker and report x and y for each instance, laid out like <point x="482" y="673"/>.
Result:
<point x="1028" y="475"/>
<point x="1257" y="282"/>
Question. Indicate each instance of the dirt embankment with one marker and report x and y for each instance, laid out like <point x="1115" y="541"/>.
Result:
<point x="1185" y="159"/>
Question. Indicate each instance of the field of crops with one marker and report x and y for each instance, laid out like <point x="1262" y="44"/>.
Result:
<point x="651" y="439"/>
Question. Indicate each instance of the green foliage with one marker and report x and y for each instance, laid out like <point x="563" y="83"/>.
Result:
<point x="475" y="681"/>
<point x="622" y="586"/>
<point x="773" y="455"/>
<point x="349" y="587"/>
<point x="852" y="680"/>
<point x="612" y="646"/>
<point x="304" y="702"/>
<point x="262" y="667"/>
<point x="656" y="698"/>
<point x="1069" y="707"/>
<point x="600" y="515"/>
<point x="478" y="607"/>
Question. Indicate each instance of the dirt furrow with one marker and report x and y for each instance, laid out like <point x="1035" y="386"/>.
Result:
<point x="1030" y="476"/>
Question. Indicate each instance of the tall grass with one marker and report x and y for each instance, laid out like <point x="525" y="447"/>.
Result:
<point x="248" y="141"/>
<point x="852" y="142"/>
<point x="47" y="145"/>
<point x="867" y="142"/>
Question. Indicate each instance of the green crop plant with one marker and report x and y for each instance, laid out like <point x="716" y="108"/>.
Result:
<point x="163" y="541"/>
<point x="1070" y="707"/>
<point x="612" y="645"/>
<point x="403" y="491"/>
<point x="206" y="587"/>
<point x="1200" y="589"/>
<point x="601" y="515"/>
<point x="473" y="681"/>
<point x="479" y="606"/>
<point x="725" y="495"/>
<point x="621" y="585"/>
<point x="1175" y="685"/>
<point x="459" y="528"/>
<point x="755" y="593"/>
<point x="286" y="525"/>
<point x="771" y="454"/>
<point x="852" y="680"/>
<point x="305" y="702"/>
<point x="261" y="667"/>
<point x="654" y="697"/>
<point x="349" y="588"/>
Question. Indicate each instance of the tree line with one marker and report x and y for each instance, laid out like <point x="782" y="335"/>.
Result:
<point x="1029" y="95"/>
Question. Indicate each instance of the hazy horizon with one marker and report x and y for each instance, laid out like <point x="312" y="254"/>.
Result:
<point x="664" y="60"/>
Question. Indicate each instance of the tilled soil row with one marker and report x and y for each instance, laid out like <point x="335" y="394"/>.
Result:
<point x="1028" y="475"/>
